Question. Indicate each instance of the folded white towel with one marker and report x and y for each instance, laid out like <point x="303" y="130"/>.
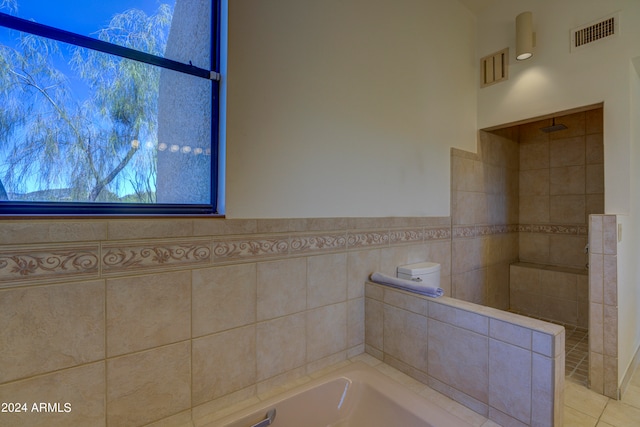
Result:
<point x="407" y="285"/>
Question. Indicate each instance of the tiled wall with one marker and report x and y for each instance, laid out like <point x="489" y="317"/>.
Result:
<point x="551" y="293"/>
<point x="603" y="305"/>
<point x="137" y="321"/>
<point x="484" y="198"/>
<point x="506" y="367"/>
<point x="561" y="184"/>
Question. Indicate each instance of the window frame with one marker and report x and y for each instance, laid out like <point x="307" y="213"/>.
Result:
<point x="22" y="208"/>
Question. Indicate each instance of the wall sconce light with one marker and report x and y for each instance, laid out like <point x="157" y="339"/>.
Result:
<point x="524" y="36"/>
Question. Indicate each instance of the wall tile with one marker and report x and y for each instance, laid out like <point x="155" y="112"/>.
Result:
<point x="30" y="231"/>
<point x="138" y="229"/>
<point x="355" y="322"/>
<point x="360" y="266"/>
<point x="281" y="344"/>
<point x="147" y="311"/>
<point x="567" y="151"/>
<point x="567" y="180"/>
<point x="122" y="257"/>
<point x="81" y="387"/>
<point x="148" y="386"/>
<point x="471" y="286"/>
<point x="568" y="209"/>
<point x="223" y="298"/>
<point x="510" y="380"/>
<point x="594" y="148"/>
<point x="610" y="234"/>
<point x="326" y="279"/>
<point x="251" y="248"/>
<point x="461" y="318"/>
<point x="374" y="332"/>
<point x="596" y="328"/>
<point x="22" y="265"/>
<point x="223" y="363"/>
<point x="282" y="288"/>
<point x="404" y="336"/>
<point x="542" y="391"/>
<point x="534" y="209"/>
<point x="595" y="179"/>
<point x="535" y="155"/>
<point x="448" y="347"/>
<point x="46" y="328"/>
<point x="320" y="320"/>
<point x="510" y="333"/>
<point x="534" y="182"/>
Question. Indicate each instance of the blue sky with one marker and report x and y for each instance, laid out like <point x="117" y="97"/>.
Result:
<point x="81" y="16"/>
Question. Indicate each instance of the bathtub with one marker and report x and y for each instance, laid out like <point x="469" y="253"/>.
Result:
<point x="355" y="396"/>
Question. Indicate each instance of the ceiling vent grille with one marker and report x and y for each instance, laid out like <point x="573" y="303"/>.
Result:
<point x="595" y="31"/>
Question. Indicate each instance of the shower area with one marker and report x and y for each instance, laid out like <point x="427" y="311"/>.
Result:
<point x="520" y="214"/>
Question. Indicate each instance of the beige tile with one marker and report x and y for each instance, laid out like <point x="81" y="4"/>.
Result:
<point x="374" y="318"/>
<point x="631" y="396"/>
<point x="596" y="240"/>
<point x="510" y="380"/>
<point x="467" y="255"/>
<point x="584" y="400"/>
<point x="596" y="278"/>
<point x="534" y="209"/>
<point x="575" y="123"/>
<point x="620" y="414"/>
<point x="78" y="391"/>
<point x="148" y="386"/>
<point x="568" y="251"/>
<point x="595" y="149"/>
<point x="143" y="228"/>
<point x="534" y="182"/>
<point x="567" y="209"/>
<point x="471" y="286"/>
<point x="223" y="298"/>
<point x="46" y="328"/>
<point x="147" y="311"/>
<point x="542" y="391"/>
<point x="575" y="418"/>
<point x="595" y="179"/>
<point x="596" y="372"/>
<point x="594" y="204"/>
<point x="282" y="288"/>
<point x="596" y="328"/>
<point x="510" y="333"/>
<point x="567" y="180"/>
<point x="610" y="325"/>
<point x="223" y="363"/>
<point x="609" y="234"/>
<point x="355" y="322"/>
<point x="281" y="344"/>
<point x="405" y="301"/>
<point x="448" y="346"/>
<point x="610" y="279"/>
<point x="405" y="336"/>
<point x="326" y="331"/>
<point x="594" y="121"/>
<point x="25" y="232"/>
<point x="360" y="266"/>
<point x="326" y="279"/>
<point x="535" y="155"/>
<point x="461" y="318"/>
<point x="567" y="152"/>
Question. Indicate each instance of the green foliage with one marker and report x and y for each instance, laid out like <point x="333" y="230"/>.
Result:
<point x="96" y="149"/>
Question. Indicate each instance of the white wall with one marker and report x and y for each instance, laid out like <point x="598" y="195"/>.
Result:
<point x="555" y="80"/>
<point x="347" y="107"/>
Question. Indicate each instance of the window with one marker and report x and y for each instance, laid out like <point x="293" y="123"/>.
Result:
<point x="109" y="107"/>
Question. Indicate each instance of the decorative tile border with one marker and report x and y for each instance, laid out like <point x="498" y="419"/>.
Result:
<point x="361" y="239"/>
<point x="406" y="236"/>
<point x="20" y="265"/>
<point x="122" y="257"/>
<point x="318" y="243"/>
<point x="250" y="248"/>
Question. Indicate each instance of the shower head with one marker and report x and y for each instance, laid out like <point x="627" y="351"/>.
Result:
<point x="554" y="127"/>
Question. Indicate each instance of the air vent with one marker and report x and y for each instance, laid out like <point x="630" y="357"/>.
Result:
<point x="596" y="31"/>
<point x="494" y="68"/>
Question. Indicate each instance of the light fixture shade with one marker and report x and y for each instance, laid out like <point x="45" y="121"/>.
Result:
<point x="524" y="36"/>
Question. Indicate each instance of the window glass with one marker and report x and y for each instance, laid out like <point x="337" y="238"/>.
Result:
<point x="83" y="126"/>
<point x="143" y="25"/>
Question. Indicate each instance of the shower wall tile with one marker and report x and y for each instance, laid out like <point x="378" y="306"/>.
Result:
<point x="47" y="328"/>
<point x="147" y="311"/>
<point x="405" y="336"/>
<point x="360" y="264"/>
<point x="534" y="154"/>
<point x="567" y="151"/>
<point x="355" y="322"/>
<point x="594" y="149"/>
<point x="510" y="380"/>
<point x="534" y="182"/>
<point x="567" y="180"/>
<point x="567" y="209"/>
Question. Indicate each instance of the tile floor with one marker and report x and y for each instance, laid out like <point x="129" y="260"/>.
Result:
<point x="576" y="354"/>
<point x="585" y="408"/>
